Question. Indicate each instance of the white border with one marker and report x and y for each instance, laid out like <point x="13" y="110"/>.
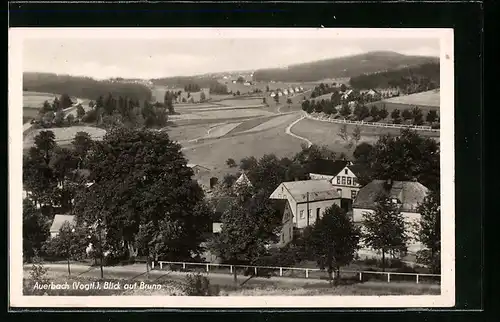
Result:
<point x="447" y="297"/>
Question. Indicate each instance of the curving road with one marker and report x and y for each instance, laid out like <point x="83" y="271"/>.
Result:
<point x="288" y="131"/>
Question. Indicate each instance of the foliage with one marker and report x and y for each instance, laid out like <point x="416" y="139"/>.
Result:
<point x="429" y="227"/>
<point x="35" y="229"/>
<point x="431" y="260"/>
<point x="431" y="116"/>
<point x="345" y="110"/>
<point x="80" y="111"/>
<point x="361" y="112"/>
<point x="38" y="272"/>
<point x="70" y="243"/>
<point x="199" y="285"/>
<point x="385" y="228"/>
<point x="383" y="113"/>
<point x="333" y="240"/>
<point x="417" y="116"/>
<point x="192" y="88"/>
<point x="231" y="163"/>
<point x="141" y="176"/>
<point x="406" y="157"/>
<point x="218" y="88"/>
<point x="362" y="152"/>
<point x="407" y="115"/>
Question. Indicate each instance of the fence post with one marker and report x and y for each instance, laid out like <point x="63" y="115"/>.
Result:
<point x="255" y="270"/>
<point x="207" y="268"/>
<point x="281" y="271"/>
<point x="183" y="265"/>
<point x="152" y="264"/>
<point x="307" y="273"/>
<point x="231" y="269"/>
<point x="360" y="277"/>
<point x="388" y="277"/>
<point x="161" y="265"/>
<point x="417" y="278"/>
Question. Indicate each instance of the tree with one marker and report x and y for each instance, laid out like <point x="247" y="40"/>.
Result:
<point x="395" y="114"/>
<point x="431" y="116"/>
<point x="343" y="88"/>
<point x="142" y="176"/>
<point x="267" y="88"/>
<point x="264" y="101"/>
<point x="429" y="228"/>
<point x="248" y="163"/>
<point x="356" y="135"/>
<point x="289" y="101"/>
<point x="374" y="112"/>
<point x="80" y="111"/>
<point x="45" y="142"/>
<point x="82" y="143"/>
<point x="406" y="157"/>
<point x="65" y="101"/>
<point x="240" y="80"/>
<point x="46" y="107"/>
<point x="230" y="162"/>
<point x="238" y="93"/>
<point x="406" y="114"/>
<point x="202" y="97"/>
<point x="35" y="229"/>
<point x="362" y="152"/>
<point x="229" y="180"/>
<point x="333" y="240"/>
<point x="345" y="110"/>
<point x="385" y="229"/>
<point x="417" y="116"/>
<point x="70" y="119"/>
<point x="361" y="112"/>
<point x="168" y="101"/>
<point x="383" y="113"/>
<point x="70" y="244"/>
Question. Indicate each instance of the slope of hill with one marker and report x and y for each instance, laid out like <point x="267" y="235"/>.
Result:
<point x="348" y="66"/>
<point x="84" y="87"/>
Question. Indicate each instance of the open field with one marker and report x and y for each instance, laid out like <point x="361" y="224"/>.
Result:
<point x="220" y="114"/>
<point x="65" y="134"/>
<point x="36" y="99"/>
<point x="220" y="130"/>
<point x="274" y="122"/>
<point x="241" y="102"/>
<point x="426" y="101"/>
<point x="213" y="154"/>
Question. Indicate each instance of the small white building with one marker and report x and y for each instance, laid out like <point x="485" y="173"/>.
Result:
<point x="273" y="94"/>
<point x="58" y="222"/>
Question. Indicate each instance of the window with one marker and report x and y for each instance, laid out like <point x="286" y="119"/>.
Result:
<point x="338" y="180"/>
<point x="354" y="181"/>
<point x="339" y="191"/>
<point x="317" y="213"/>
<point x="302" y="214"/>
<point x="346" y="171"/>
<point x="349" y="181"/>
<point x="343" y="180"/>
<point x="354" y="193"/>
<point x="282" y="189"/>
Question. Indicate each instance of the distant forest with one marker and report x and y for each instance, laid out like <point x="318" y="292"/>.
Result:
<point x="82" y="87"/>
<point x="414" y="79"/>
<point x="349" y="66"/>
<point x="192" y="83"/>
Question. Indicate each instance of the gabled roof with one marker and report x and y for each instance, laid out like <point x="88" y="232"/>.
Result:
<point x="243" y="180"/>
<point x="327" y="167"/>
<point x="408" y="193"/>
<point x="312" y="190"/>
<point x="59" y="220"/>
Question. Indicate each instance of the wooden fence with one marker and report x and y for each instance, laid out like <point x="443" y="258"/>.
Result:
<point x="376" y="124"/>
<point x="281" y="271"/>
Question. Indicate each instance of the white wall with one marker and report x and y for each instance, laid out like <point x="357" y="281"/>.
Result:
<point x="302" y="222"/>
<point x="315" y="176"/>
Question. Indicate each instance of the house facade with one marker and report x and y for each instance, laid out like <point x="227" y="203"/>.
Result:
<point x="307" y="199"/>
<point x="58" y="222"/>
<point x="406" y="194"/>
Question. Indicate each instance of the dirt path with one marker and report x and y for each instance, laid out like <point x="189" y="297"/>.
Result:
<point x="288" y="131"/>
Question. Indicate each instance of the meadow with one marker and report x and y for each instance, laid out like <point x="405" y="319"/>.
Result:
<point x="426" y="101"/>
<point x="65" y="135"/>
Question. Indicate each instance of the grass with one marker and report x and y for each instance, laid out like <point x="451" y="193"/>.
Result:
<point x="426" y="101"/>
<point x="250" y="124"/>
<point x="221" y="114"/>
<point x="214" y="154"/>
<point x="285" y="119"/>
<point x="242" y="102"/>
<point x="36" y="99"/>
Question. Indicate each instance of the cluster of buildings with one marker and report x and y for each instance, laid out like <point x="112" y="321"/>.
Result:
<point x="287" y="91"/>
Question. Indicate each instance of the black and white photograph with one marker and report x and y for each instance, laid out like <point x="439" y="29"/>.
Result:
<point x="231" y="167"/>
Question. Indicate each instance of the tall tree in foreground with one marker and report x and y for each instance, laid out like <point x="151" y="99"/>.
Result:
<point x="385" y="229"/>
<point x="142" y="176"/>
<point x="333" y="240"/>
<point x="35" y="229"/>
<point x="429" y="229"/>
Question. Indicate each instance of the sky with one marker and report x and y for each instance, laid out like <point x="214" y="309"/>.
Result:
<point x="155" y="58"/>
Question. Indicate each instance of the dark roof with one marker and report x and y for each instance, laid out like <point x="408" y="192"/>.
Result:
<point x="327" y="167"/>
<point x="408" y="193"/>
<point x="359" y="170"/>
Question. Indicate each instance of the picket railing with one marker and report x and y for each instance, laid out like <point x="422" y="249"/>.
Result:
<point x="305" y="271"/>
<point x="375" y="124"/>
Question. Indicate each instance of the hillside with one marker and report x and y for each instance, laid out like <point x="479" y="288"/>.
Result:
<point x="425" y="75"/>
<point x="348" y="66"/>
<point x="83" y="87"/>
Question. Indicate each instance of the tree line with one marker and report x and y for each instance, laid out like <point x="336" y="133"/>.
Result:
<point x="409" y="80"/>
<point x="83" y="87"/>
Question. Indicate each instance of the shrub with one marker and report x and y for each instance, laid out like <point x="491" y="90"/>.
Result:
<point x="199" y="285"/>
<point x="90" y="116"/>
<point x="38" y="272"/>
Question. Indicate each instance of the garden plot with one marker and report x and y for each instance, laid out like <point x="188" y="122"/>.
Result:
<point x="242" y="102"/>
<point x="429" y="98"/>
<point x="222" y="114"/>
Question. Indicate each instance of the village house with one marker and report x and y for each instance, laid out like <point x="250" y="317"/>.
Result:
<point x="285" y="92"/>
<point x="406" y="194"/>
<point x="307" y="199"/>
<point x="202" y="176"/>
<point x="297" y="89"/>
<point x="242" y="181"/>
<point x="347" y="94"/>
<point x="58" y="222"/>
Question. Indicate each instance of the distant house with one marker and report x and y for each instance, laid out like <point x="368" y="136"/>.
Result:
<point x="326" y="169"/>
<point x="242" y="181"/>
<point x="373" y="93"/>
<point x="202" y="175"/>
<point x="280" y="94"/>
<point x="247" y="83"/>
<point x="301" y="88"/>
<point x="291" y="90"/>
<point x="406" y="194"/>
<point x="347" y="94"/>
<point x="285" y="92"/>
<point x="197" y="169"/>
<point x="297" y="89"/>
<point x="273" y="94"/>
<point x="307" y="199"/>
<point x="58" y="222"/>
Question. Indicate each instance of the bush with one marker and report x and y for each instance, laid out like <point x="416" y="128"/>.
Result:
<point x="199" y="285"/>
<point x="90" y="116"/>
<point x="38" y="272"/>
